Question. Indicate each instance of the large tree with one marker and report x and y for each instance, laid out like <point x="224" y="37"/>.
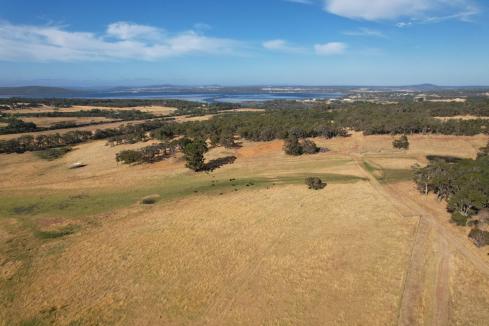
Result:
<point x="194" y="154"/>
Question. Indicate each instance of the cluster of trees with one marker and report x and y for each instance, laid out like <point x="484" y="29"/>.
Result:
<point x="291" y="105"/>
<point x="42" y="142"/>
<point x="329" y="122"/>
<point x="388" y="119"/>
<point x="296" y="147"/>
<point x="261" y="126"/>
<point x="464" y="184"/>
<point x="183" y="107"/>
<point x="130" y="138"/>
<point x="17" y="126"/>
<point x="149" y="154"/>
<point x="401" y="143"/>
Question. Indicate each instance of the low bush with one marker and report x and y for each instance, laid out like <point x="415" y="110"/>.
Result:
<point x="309" y="147"/>
<point x="150" y="200"/>
<point x="315" y="183"/>
<point x="53" y="153"/>
<point x="459" y="219"/>
<point x="479" y="237"/>
<point x="129" y="157"/>
<point x="401" y="143"/>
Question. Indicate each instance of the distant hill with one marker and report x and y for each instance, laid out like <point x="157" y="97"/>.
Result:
<point x="39" y="91"/>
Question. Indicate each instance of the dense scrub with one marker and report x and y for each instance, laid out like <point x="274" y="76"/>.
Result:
<point x="54" y="153"/>
<point x="280" y="124"/>
<point x="464" y="184"/>
<point x="380" y="120"/>
<point x="401" y="143"/>
<point x="17" y="126"/>
<point x="294" y="146"/>
<point x="148" y="154"/>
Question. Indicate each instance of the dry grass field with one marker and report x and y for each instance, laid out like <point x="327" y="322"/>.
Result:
<point x="246" y="244"/>
<point x="157" y="110"/>
<point x="50" y="121"/>
<point x="461" y="117"/>
<point x="54" y="131"/>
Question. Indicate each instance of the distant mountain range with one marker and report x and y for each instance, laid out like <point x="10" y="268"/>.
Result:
<point x="168" y="90"/>
<point x="39" y="91"/>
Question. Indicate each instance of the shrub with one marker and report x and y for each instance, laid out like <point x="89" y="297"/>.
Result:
<point x="292" y="146"/>
<point x="309" y="147"/>
<point x="459" y="219"/>
<point x="401" y="143"/>
<point x="129" y="157"/>
<point x="227" y="140"/>
<point x="315" y="183"/>
<point x="479" y="237"/>
<point x="150" y="200"/>
<point x="53" y="153"/>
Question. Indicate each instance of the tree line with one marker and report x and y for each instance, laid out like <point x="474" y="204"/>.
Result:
<point x="42" y="142"/>
<point x="280" y="124"/>
<point x="462" y="183"/>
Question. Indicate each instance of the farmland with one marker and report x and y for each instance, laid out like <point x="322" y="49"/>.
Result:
<point x="246" y="243"/>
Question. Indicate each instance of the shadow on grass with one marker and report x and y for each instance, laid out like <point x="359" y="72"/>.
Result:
<point x="56" y="233"/>
<point x="217" y="163"/>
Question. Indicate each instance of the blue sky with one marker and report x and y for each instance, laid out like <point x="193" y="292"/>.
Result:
<point x="239" y="42"/>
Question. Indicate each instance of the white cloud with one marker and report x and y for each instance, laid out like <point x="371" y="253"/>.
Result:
<point x="275" y="44"/>
<point x="282" y="46"/>
<point x="394" y="9"/>
<point x="128" y="31"/>
<point x="332" y="48"/>
<point x="121" y="41"/>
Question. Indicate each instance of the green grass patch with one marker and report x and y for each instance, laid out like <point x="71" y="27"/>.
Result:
<point x="396" y="175"/>
<point x="387" y="175"/>
<point x="56" y="233"/>
<point x="27" y="206"/>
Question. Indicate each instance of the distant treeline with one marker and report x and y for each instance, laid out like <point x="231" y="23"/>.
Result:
<point x="405" y="120"/>
<point x="327" y="122"/>
<point x="113" y="103"/>
<point x="257" y="126"/>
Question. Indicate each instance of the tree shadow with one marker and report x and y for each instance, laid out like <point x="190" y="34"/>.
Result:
<point x="217" y="163"/>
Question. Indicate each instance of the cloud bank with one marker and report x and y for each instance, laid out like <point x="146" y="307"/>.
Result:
<point x="120" y="41"/>
<point x="332" y="48"/>
<point x="374" y="10"/>
<point x="282" y="46"/>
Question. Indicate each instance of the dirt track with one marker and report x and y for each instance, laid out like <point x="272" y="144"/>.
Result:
<point x="447" y="243"/>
